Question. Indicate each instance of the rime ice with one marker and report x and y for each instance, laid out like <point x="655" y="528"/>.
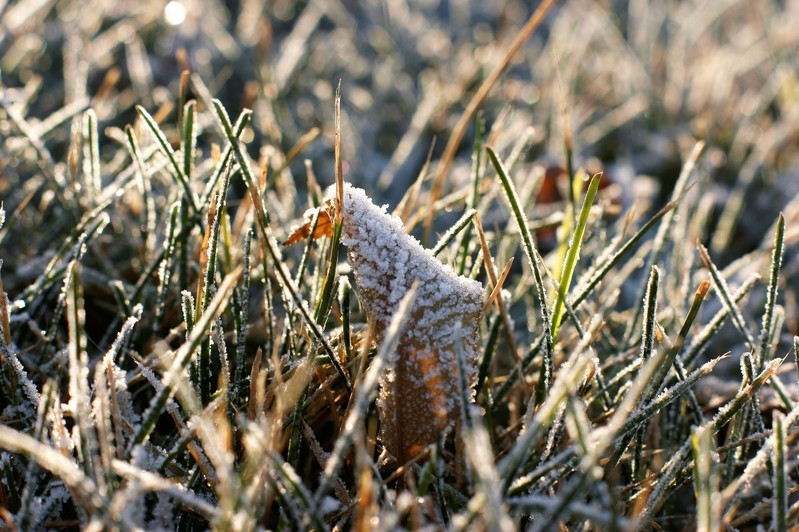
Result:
<point x="418" y="402"/>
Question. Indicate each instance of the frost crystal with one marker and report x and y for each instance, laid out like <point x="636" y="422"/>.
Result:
<point x="418" y="402"/>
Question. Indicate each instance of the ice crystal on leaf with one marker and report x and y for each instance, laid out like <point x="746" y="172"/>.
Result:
<point x="418" y="402"/>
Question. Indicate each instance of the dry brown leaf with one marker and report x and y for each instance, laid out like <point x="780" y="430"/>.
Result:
<point x="418" y="402"/>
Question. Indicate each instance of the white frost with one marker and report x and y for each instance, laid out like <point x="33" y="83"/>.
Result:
<point x="419" y="389"/>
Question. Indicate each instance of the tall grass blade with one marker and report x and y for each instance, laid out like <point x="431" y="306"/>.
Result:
<point x="573" y="254"/>
<point x="91" y="156"/>
<point x="177" y="171"/>
<point x="779" y="520"/>
<point x="706" y="481"/>
<point x="764" y="353"/>
<point x="547" y="366"/>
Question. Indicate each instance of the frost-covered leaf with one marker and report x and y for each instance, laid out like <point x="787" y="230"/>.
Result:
<point x="418" y="402"/>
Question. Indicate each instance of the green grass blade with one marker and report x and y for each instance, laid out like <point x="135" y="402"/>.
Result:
<point x="325" y="301"/>
<point x="650" y="308"/>
<point x="724" y="293"/>
<point x="91" y="155"/>
<point x="453" y="231"/>
<point x="779" y="520"/>
<point x="545" y="382"/>
<point x="568" y="379"/>
<point x="573" y="254"/>
<point x="671" y="355"/>
<point x="764" y="353"/>
<point x="177" y="171"/>
<point x="188" y="142"/>
<point x="79" y="393"/>
<point x="706" y="481"/>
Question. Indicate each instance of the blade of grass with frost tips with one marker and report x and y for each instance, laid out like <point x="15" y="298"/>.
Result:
<point x="649" y="318"/>
<point x="242" y="307"/>
<point x="19" y="375"/>
<point x="671" y="354"/>
<point x="545" y="383"/>
<point x="186" y="437"/>
<point x="568" y="378"/>
<point x="82" y="487"/>
<point x="268" y="242"/>
<point x="91" y="155"/>
<point x="737" y="318"/>
<point x="224" y="160"/>
<point x="363" y="392"/>
<point x="703" y="337"/>
<point x="639" y="415"/>
<point x="208" y="267"/>
<point x="579" y="428"/>
<point x="764" y="353"/>
<point x="706" y="481"/>
<point x="603" y="439"/>
<point x="101" y="412"/>
<point x="182" y="358"/>
<point x="165" y="265"/>
<point x="145" y="187"/>
<point x="759" y="462"/>
<point x="565" y="459"/>
<point x="453" y="231"/>
<point x="724" y="293"/>
<point x="92" y="224"/>
<point x="63" y="296"/>
<point x="325" y="301"/>
<point x="177" y="172"/>
<point x="79" y="393"/>
<point x="779" y="519"/>
<point x="584" y="346"/>
<point x="299" y="278"/>
<point x="120" y="401"/>
<point x="573" y="254"/>
<point x="188" y="142"/>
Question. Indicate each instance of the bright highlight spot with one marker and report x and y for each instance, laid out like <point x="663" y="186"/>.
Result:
<point x="175" y="13"/>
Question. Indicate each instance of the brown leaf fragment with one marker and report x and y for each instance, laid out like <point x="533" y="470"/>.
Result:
<point x="323" y="228"/>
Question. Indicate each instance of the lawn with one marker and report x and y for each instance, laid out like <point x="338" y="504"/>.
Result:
<point x="342" y="264"/>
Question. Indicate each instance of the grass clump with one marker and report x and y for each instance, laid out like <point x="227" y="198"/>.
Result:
<point x="166" y="363"/>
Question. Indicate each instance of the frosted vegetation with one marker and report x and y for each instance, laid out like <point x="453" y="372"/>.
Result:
<point x="578" y="310"/>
